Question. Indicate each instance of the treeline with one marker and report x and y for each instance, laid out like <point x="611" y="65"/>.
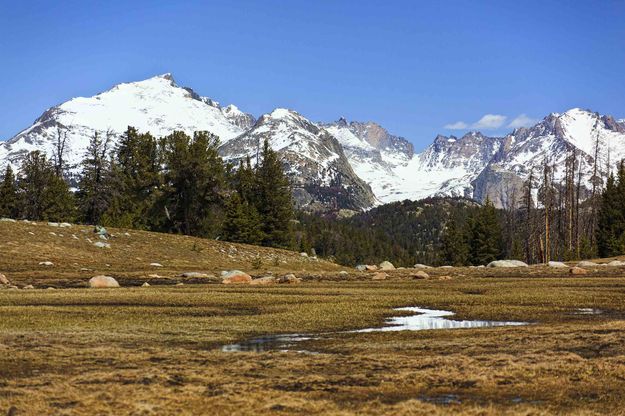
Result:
<point x="175" y="184"/>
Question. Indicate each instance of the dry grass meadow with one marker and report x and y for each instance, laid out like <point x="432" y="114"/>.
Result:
<point x="157" y="350"/>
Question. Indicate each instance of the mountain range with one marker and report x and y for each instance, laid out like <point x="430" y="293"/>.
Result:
<point x="342" y="165"/>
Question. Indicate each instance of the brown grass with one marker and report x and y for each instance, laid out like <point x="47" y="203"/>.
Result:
<point x="156" y="351"/>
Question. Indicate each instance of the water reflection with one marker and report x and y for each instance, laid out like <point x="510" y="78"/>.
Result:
<point x="433" y="319"/>
<point x="268" y="343"/>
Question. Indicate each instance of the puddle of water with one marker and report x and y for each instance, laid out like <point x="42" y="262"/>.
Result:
<point x="587" y="311"/>
<point x="421" y="320"/>
<point x="268" y="343"/>
<point x="433" y="319"/>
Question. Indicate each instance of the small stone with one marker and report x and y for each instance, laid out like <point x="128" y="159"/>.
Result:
<point x="28" y="287"/>
<point x="422" y="266"/>
<point x="156" y="265"/>
<point x="444" y="278"/>
<point x="46" y="263"/>
<point x="371" y="267"/>
<point x="101" y="244"/>
<point x="179" y="284"/>
<point x="343" y="273"/>
<point x="289" y="279"/>
<point x="303" y="254"/>
<point x="146" y="284"/>
<point x="379" y="276"/>
<point x="361" y="267"/>
<point x="194" y="275"/>
<point x="420" y="275"/>
<point x="577" y="271"/>
<point x="266" y="280"/>
<point x="4" y="280"/>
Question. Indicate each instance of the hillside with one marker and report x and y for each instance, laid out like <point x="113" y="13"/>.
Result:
<point x="75" y="258"/>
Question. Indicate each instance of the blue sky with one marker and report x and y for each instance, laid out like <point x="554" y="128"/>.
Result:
<point x="418" y="68"/>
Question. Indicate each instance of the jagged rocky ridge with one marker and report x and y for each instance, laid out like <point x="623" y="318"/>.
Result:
<point x="339" y="165"/>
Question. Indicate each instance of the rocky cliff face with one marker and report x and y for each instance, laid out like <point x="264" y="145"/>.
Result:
<point x="321" y="175"/>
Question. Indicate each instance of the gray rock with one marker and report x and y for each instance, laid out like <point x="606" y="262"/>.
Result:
<point x="101" y="244"/>
<point x="556" y="264"/>
<point x="506" y="263"/>
<point x="46" y="263"/>
<point x="289" y="279"/>
<point x="387" y="265"/>
<point x="194" y="275"/>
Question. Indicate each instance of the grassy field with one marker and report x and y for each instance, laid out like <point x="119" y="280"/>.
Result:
<point x="157" y="350"/>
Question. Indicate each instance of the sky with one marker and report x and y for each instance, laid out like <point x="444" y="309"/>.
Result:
<point x="418" y="68"/>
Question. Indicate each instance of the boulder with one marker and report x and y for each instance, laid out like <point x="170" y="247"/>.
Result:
<point x="236" y="277"/>
<point x="101" y="244"/>
<point x="46" y="263"/>
<point x="616" y="263"/>
<point x="4" y="280"/>
<point x="422" y="266"/>
<point x="379" y="276"/>
<point x="7" y="220"/>
<point x="586" y="263"/>
<point x="387" y="265"/>
<point x="420" y="275"/>
<point x="556" y="264"/>
<point x="265" y="280"/>
<point x="506" y="263"/>
<point x="577" y="271"/>
<point x="371" y="267"/>
<point x="446" y="267"/>
<point x="361" y="267"/>
<point x="146" y="284"/>
<point x="303" y="254"/>
<point x="289" y="279"/>
<point x="343" y="273"/>
<point x="99" y="282"/>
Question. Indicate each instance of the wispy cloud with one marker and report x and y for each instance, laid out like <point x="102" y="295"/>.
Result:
<point x="493" y="122"/>
<point x="458" y="125"/>
<point x="522" y="120"/>
<point x="489" y="122"/>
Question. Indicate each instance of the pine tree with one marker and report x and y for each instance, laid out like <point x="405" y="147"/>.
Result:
<point x="455" y="247"/>
<point x="273" y="199"/>
<point x="137" y="173"/>
<point x="93" y="187"/>
<point x="610" y="232"/>
<point x="44" y="195"/>
<point x="8" y="195"/>
<point x="242" y="223"/>
<point x="194" y="183"/>
<point x="484" y="235"/>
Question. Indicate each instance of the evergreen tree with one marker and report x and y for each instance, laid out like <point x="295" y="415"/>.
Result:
<point x="610" y="217"/>
<point x="484" y="235"/>
<point x="44" y="195"/>
<point x="8" y="195"/>
<point x="242" y="223"/>
<point x="455" y="247"/>
<point x="273" y="199"/>
<point x="137" y="175"/>
<point x="194" y="183"/>
<point x="93" y="187"/>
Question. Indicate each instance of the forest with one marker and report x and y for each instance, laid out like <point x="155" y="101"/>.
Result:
<point x="180" y="184"/>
